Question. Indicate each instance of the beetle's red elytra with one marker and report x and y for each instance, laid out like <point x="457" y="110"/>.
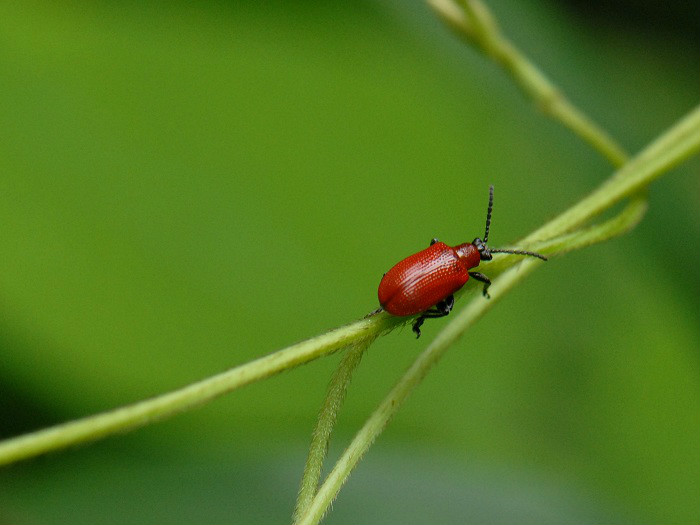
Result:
<point x="424" y="283"/>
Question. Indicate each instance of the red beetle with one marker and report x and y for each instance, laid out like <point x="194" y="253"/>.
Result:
<point x="425" y="281"/>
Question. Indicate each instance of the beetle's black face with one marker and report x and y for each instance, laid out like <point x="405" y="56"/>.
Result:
<point x="483" y="250"/>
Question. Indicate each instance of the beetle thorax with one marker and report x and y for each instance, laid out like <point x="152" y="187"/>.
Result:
<point x="469" y="253"/>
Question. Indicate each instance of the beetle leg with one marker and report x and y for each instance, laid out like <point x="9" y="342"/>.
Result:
<point x="482" y="278"/>
<point x="433" y="241"/>
<point x="448" y="302"/>
<point x="441" y="309"/>
<point x="374" y="312"/>
<point x="417" y="324"/>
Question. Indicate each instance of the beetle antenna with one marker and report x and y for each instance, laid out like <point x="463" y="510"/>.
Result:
<point x="521" y="252"/>
<point x="488" y="214"/>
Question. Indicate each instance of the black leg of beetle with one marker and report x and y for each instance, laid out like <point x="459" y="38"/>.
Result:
<point x="417" y="324"/>
<point x="374" y="312"/>
<point x="482" y="278"/>
<point x="433" y="241"/>
<point x="441" y="309"/>
<point x="447" y="304"/>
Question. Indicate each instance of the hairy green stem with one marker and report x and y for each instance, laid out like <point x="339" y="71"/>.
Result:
<point x="195" y="394"/>
<point x="337" y="389"/>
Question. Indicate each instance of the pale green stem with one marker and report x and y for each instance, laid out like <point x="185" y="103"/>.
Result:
<point x="337" y="388"/>
<point x="472" y="21"/>
<point x="623" y="222"/>
<point x="165" y="405"/>
<point x="668" y="150"/>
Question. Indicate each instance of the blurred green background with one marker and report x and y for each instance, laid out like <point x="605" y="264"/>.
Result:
<point x="186" y="187"/>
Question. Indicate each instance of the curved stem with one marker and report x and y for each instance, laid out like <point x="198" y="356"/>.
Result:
<point x="195" y="394"/>
<point x="473" y="22"/>
<point x="668" y="150"/>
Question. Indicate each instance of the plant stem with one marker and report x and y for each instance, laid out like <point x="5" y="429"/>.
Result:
<point x="327" y="417"/>
<point x="668" y="150"/>
<point x="195" y="394"/>
<point x="473" y="22"/>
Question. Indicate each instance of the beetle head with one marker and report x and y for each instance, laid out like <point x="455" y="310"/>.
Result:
<point x="484" y="251"/>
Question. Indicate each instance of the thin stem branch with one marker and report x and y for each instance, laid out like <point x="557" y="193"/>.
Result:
<point x="337" y="389"/>
<point x="668" y="150"/>
<point x="195" y="394"/>
<point x="623" y="222"/>
<point x="473" y="22"/>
